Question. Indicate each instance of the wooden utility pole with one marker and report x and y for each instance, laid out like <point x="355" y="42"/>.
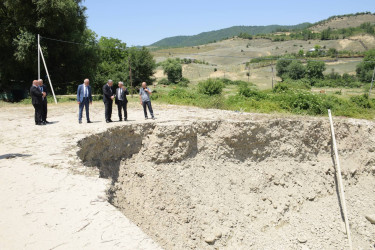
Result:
<point x="372" y="82"/>
<point x="130" y="76"/>
<point x="272" y="76"/>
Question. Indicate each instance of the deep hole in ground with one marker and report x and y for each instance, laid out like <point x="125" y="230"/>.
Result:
<point x="237" y="185"/>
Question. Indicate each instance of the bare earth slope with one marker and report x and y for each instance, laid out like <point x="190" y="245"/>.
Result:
<point x="344" y="22"/>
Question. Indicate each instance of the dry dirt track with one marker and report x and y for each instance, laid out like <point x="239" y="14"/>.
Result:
<point x="50" y="200"/>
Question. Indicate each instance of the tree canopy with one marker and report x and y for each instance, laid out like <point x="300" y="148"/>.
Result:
<point x="173" y="69"/>
<point x="22" y="20"/>
<point x="365" y="69"/>
<point x="72" y="51"/>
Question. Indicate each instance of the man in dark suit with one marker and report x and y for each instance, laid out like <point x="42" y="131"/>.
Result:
<point x="108" y="100"/>
<point x="84" y="98"/>
<point x="122" y="101"/>
<point x="43" y="88"/>
<point x="36" y="100"/>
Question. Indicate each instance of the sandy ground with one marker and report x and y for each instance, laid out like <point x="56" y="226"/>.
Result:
<point x="50" y="200"/>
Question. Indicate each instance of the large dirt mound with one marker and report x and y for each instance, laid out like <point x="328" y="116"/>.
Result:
<point x="267" y="183"/>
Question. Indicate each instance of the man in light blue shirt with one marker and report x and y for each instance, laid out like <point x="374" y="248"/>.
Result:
<point x="84" y="98"/>
<point x="144" y="96"/>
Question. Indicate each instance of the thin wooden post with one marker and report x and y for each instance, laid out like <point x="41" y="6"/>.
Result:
<point x="372" y="82"/>
<point x="338" y="171"/>
<point x="272" y="76"/>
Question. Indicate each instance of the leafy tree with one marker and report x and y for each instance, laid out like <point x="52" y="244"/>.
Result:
<point x="326" y="34"/>
<point x="315" y="69"/>
<point x="365" y="69"/>
<point x="296" y="70"/>
<point x="21" y="21"/>
<point x="332" y="52"/>
<point x="117" y="60"/>
<point x="143" y="66"/>
<point x="245" y="35"/>
<point x="173" y="69"/>
<point x="282" y="65"/>
<point x="113" y="62"/>
<point x="368" y="28"/>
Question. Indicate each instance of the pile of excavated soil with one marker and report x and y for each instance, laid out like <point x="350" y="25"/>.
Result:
<point x="262" y="183"/>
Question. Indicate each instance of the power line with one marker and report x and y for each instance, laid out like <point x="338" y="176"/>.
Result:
<point x="86" y="45"/>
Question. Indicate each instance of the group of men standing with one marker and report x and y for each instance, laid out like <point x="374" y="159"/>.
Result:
<point x="38" y="92"/>
<point x="84" y="98"/>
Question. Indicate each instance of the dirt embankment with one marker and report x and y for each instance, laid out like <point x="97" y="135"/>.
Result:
<point x="266" y="183"/>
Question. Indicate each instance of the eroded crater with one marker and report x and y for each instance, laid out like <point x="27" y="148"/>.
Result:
<point x="239" y="185"/>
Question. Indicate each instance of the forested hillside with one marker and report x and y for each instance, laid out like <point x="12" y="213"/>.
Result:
<point x="217" y="35"/>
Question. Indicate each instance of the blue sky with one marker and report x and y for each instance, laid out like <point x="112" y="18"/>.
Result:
<point x="143" y="22"/>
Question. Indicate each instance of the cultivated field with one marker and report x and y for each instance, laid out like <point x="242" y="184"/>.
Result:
<point x="229" y="57"/>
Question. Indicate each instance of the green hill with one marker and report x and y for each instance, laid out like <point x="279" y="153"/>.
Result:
<point x="216" y="35"/>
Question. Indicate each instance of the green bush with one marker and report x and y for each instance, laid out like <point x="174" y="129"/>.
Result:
<point x="362" y="101"/>
<point x="184" y="82"/>
<point x="303" y="83"/>
<point x="304" y="102"/>
<point x="280" y="87"/>
<point x="227" y="81"/>
<point x="164" y="81"/>
<point x="181" y="94"/>
<point x="288" y="97"/>
<point x="211" y="87"/>
<point x="246" y="91"/>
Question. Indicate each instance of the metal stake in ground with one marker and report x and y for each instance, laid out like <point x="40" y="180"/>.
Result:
<point x="338" y="171"/>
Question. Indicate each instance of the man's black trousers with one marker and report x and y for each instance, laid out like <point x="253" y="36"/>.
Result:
<point x="44" y="110"/>
<point x="108" y="110"/>
<point x="122" y="105"/>
<point x="38" y="113"/>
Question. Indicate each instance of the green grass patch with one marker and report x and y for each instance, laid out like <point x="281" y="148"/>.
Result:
<point x="284" y="99"/>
